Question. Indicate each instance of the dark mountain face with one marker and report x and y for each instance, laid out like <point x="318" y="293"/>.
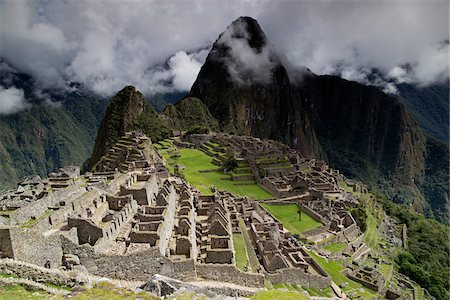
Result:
<point x="367" y="122"/>
<point x="361" y="130"/>
<point x="245" y="87"/>
<point x="429" y="106"/>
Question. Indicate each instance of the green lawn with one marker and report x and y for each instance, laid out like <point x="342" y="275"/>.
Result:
<point x="194" y="160"/>
<point x="240" y="252"/>
<point x="278" y="294"/>
<point x="336" y="247"/>
<point x="17" y="292"/>
<point x="287" y="214"/>
<point x="334" y="269"/>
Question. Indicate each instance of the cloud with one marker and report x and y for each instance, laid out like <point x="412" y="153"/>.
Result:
<point x="152" y="44"/>
<point x="184" y="68"/>
<point x="247" y="64"/>
<point x="12" y="100"/>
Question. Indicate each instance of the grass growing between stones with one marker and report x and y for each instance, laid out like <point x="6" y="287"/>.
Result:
<point x="350" y="287"/>
<point x="325" y="292"/>
<point x="107" y="291"/>
<point x="192" y="161"/>
<point x="240" y="251"/>
<point x="279" y="294"/>
<point x="287" y="214"/>
<point x="30" y="223"/>
<point x="18" y="292"/>
<point x="336" y="247"/>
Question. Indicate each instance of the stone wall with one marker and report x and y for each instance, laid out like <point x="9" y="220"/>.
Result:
<point x="39" y="207"/>
<point x="312" y="213"/>
<point x="35" y="273"/>
<point x="30" y="246"/>
<point x="230" y="274"/>
<point x="315" y="231"/>
<point x="137" y="266"/>
<point x="6" y="247"/>
<point x="299" y="276"/>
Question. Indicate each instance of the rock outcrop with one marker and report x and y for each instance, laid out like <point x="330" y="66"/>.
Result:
<point x="246" y="87"/>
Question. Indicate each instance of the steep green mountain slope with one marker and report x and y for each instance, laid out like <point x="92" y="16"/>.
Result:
<point x="429" y="106"/>
<point x="46" y="137"/>
<point x="436" y="183"/>
<point x="426" y="258"/>
<point x="189" y="113"/>
<point x="368" y="135"/>
<point x="128" y="110"/>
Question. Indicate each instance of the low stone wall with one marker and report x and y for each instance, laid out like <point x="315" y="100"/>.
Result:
<point x="315" y="231"/>
<point x="365" y="283"/>
<point x="311" y="213"/>
<point x="313" y="263"/>
<point x="137" y="266"/>
<point x="35" y="273"/>
<point x="299" y="276"/>
<point x="229" y="274"/>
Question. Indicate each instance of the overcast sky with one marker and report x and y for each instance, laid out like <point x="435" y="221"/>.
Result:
<point x="108" y="44"/>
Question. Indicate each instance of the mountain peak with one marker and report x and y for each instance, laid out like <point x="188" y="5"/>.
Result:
<point x="244" y="53"/>
<point x="248" y="29"/>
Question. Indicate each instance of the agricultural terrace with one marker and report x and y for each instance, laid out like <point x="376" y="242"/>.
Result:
<point x="287" y="214"/>
<point x="196" y="167"/>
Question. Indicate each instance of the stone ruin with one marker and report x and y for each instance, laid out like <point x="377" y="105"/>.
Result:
<point x="131" y="218"/>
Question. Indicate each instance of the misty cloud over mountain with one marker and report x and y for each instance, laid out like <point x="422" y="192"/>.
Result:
<point x="159" y="46"/>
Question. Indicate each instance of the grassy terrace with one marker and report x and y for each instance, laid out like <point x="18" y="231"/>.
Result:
<point x="193" y="161"/>
<point x="287" y="214"/>
<point x="336" y="247"/>
<point x="334" y="269"/>
<point x="241" y="252"/>
<point x="279" y="294"/>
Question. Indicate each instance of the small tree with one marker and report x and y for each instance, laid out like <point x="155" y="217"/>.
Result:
<point x="299" y="211"/>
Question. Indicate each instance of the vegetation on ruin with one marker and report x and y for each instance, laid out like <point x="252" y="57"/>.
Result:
<point x="18" y="292"/>
<point x="335" y="247"/>
<point x="240" y="252"/>
<point x="314" y="292"/>
<point x="334" y="269"/>
<point x="287" y="214"/>
<point x="192" y="161"/>
<point x="278" y="294"/>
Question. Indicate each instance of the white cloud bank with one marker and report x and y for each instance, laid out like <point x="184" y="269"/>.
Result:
<point x="108" y="44"/>
<point x="12" y="100"/>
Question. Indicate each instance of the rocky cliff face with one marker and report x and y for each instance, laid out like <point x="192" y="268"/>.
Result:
<point x="365" y="121"/>
<point x="357" y="128"/>
<point x="246" y="87"/>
